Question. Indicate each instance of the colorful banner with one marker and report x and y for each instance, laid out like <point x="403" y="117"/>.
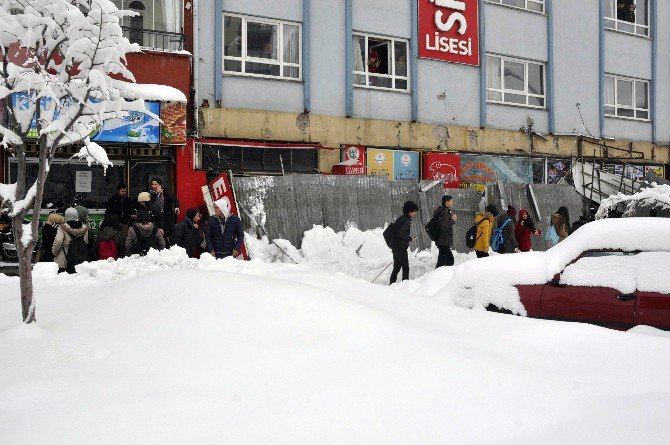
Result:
<point x="135" y="127"/>
<point x="449" y="30"/>
<point x="221" y="189"/>
<point x="480" y="169"/>
<point x="443" y="167"/>
<point x="557" y="169"/>
<point x="173" y="129"/>
<point x="354" y="161"/>
<point x="405" y="165"/>
<point x="380" y="162"/>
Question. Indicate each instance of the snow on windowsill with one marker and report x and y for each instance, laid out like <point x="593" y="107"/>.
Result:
<point x="148" y="91"/>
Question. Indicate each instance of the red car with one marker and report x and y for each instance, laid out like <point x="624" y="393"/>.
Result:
<point x="614" y="273"/>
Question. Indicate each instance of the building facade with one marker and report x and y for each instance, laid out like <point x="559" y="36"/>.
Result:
<point x="285" y="85"/>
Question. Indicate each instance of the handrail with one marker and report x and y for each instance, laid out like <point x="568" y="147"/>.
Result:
<point x="155" y="39"/>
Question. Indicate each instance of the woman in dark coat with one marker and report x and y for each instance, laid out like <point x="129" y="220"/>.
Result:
<point x="49" y="231"/>
<point x="187" y="233"/>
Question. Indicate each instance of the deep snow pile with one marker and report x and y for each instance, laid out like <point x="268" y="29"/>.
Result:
<point x="279" y="353"/>
<point x="356" y="253"/>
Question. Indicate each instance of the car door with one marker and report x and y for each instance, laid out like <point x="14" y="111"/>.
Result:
<point x="653" y="292"/>
<point x="596" y="288"/>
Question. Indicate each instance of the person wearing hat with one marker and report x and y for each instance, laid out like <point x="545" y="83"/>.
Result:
<point x="143" y="235"/>
<point x="485" y="222"/>
<point x="187" y="232"/>
<point x="446" y="221"/>
<point x="507" y="221"/>
<point x="71" y="246"/>
<point x="144" y="204"/>
<point x="224" y="234"/>
<point x="120" y="205"/>
<point x="401" y="240"/>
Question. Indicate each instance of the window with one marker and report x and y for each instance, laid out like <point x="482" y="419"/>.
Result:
<point x="531" y="5"/>
<point x="626" y="97"/>
<point x="380" y="62"/>
<point x="263" y="48"/>
<point x="513" y="81"/>
<point x="259" y="159"/>
<point x="158" y="24"/>
<point x="630" y="16"/>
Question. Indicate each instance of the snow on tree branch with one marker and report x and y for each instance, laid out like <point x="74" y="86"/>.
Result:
<point x="93" y="152"/>
<point x="658" y="195"/>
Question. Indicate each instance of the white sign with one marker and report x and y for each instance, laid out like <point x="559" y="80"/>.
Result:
<point x="83" y="181"/>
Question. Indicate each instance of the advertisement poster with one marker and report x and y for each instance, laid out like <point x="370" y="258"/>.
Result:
<point x="380" y="162"/>
<point x="405" y="165"/>
<point x="476" y="170"/>
<point x="23" y="101"/>
<point x="221" y="189"/>
<point x="443" y="167"/>
<point x="449" y="30"/>
<point x="658" y="170"/>
<point x="354" y="161"/>
<point x="135" y="127"/>
<point x="557" y="169"/>
<point x="173" y="129"/>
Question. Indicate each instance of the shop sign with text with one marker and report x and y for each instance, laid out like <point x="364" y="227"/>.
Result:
<point x="380" y="162"/>
<point x="443" y="167"/>
<point x="354" y="161"/>
<point x="449" y="30"/>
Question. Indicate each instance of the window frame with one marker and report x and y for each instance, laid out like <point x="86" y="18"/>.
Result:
<point x="632" y="107"/>
<point x="621" y="23"/>
<point x="393" y="76"/>
<point x="524" y="7"/>
<point x="244" y="58"/>
<point x="526" y="91"/>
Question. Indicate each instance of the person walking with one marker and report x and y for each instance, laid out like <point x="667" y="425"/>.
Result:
<point x="144" y="235"/>
<point x="165" y="206"/>
<point x="187" y="233"/>
<point x="70" y="246"/>
<point x="120" y="205"/>
<point x="401" y="240"/>
<point x="224" y="234"/>
<point x="524" y="231"/>
<point x="506" y="223"/>
<point x="111" y="241"/>
<point x="485" y="222"/>
<point x="446" y="221"/>
<point x="49" y="232"/>
<point x="560" y="226"/>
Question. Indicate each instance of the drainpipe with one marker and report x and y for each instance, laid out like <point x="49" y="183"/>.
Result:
<point x="550" y="65"/>
<point x="414" y="60"/>
<point x="348" y="59"/>
<point x="482" y="65"/>
<point x="196" y="68"/>
<point x="654" y="69"/>
<point x="306" y="56"/>
<point x="218" y="52"/>
<point x="601" y="65"/>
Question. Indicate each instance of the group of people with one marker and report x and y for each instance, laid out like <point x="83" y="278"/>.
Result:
<point x="492" y="231"/>
<point x="133" y="228"/>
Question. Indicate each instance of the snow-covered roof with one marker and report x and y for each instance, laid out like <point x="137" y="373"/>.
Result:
<point x="148" y="91"/>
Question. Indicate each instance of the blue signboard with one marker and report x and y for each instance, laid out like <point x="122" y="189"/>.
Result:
<point x="136" y="127"/>
<point x="405" y="165"/>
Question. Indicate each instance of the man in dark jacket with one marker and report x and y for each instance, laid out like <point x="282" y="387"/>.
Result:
<point x="187" y="233"/>
<point x="401" y="240"/>
<point x="165" y="206"/>
<point x="224" y="233"/>
<point x="510" y="244"/>
<point x="120" y="205"/>
<point x="446" y="220"/>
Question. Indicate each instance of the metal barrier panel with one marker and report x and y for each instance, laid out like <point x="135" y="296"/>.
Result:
<point x="373" y="202"/>
<point x="339" y="201"/>
<point x="307" y="192"/>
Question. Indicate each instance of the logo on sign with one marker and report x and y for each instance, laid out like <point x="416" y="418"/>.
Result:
<point x="449" y="30"/>
<point x="443" y="172"/>
<point x="380" y="158"/>
<point x="219" y="188"/>
<point x="406" y="160"/>
<point x="353" y="153"/>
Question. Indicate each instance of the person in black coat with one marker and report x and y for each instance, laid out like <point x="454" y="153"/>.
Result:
<point x="401" y="240"/>
<point x="224" y="233"/>
<point x="447" y="219"/>
<point x="165" y="207"/>
<point x="120" y="205"/>
<point x="49" y="231"/>
<point x="187" y="233"/>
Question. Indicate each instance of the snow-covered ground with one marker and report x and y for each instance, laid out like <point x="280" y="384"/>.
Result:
<point x="169" y="350"/>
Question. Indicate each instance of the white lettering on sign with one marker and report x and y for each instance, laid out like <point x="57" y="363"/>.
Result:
<point x="219" y="188"/>
<point x="453" y="17"/>
<point x="447" y="45"/>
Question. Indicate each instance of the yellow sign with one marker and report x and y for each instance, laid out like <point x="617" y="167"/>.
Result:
<point x="380" y="162"/>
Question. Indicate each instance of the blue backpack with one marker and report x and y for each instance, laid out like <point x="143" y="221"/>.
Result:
<point x="497" y="239"/>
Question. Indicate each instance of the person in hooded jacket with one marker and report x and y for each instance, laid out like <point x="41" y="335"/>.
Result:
<point x="560" y="221"/>
<point x="401" y="240"/>
<point x="49" y="231"/>
<point x="524" y="231"/>
<point x="510" y="244"/>
<point x="144" y="235"/>
<point x="110" y="232"/>
<point x="71" y="229"/>
<point x="224" y="233"/>
<point x="187" y="233"/>
<point x="83" y="217"/>
<point x="485" y="222"/>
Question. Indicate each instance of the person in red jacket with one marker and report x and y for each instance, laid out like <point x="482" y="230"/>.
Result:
<point x="524" y="230"/>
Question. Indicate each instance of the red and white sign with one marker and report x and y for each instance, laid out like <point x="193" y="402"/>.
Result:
<point x="354" y="161"/>
<point x="449" y="30"/>
<point x="221" y="189"/>
<point x="443" y="167"/>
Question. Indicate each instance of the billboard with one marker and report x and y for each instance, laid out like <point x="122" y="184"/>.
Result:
<point x="449" y="30"/>
<point x="380" y="162"/>
<point x="173" y="129"/>
<point x="443" y="167"/>
<point x="135" y="127"/>
<point x="405" y="165"/>
<point x="354" y="161"/>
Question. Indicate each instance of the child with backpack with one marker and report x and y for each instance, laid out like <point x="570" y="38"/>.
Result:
<point x="111" y="243"/>
<point x="397" y="237"/>
<point x="144" y="235"/>
<point x="503" y="239"/>
<point x="479" y="235"/>
<point x="70" y="247"/>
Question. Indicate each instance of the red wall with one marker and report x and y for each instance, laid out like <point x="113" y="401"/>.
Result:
<point x="187" y="180"/>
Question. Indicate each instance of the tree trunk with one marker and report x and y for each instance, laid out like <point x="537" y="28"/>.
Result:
<point x="25" y="277"/>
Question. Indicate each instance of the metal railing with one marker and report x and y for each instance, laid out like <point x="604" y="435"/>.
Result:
<point x="155" y="39"/>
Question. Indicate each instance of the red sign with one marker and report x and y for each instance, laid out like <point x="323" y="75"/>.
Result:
<point x="221" y="189"/>
<point x="354" y="161"/>
<point x="443" y="167"/>
<point x="449" y="30"/>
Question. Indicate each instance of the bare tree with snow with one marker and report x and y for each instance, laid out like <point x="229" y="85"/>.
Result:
<point x="61" y="65"/>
